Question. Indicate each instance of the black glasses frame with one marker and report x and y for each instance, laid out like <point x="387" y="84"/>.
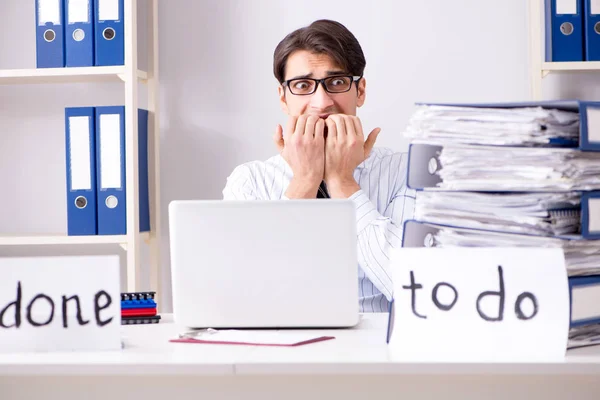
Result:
<point x="353" y="78"/>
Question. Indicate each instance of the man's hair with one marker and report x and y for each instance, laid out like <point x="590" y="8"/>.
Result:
<point x="321" y="37"/>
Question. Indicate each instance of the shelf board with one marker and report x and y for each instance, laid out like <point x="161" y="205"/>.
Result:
<point x="548" y="67"/>
<point x="65" y="75"/>
<point x="62" y="239"/>
<point x="55" y="239"/>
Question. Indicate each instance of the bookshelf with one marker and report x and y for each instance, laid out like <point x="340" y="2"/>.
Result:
<point x="538" y="68"/>
<point x="131" y="77"/>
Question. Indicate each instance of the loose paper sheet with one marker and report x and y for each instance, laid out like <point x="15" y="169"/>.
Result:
<point x="252" y="337"/>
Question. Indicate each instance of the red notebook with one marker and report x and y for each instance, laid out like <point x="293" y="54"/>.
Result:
<point x="138" y="312"/>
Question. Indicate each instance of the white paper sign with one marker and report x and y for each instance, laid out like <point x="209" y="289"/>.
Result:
<point x="65" y="303"/>
<point x="479" y="304"/>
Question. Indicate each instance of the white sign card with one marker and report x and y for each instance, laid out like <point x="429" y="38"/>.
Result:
<point x="66" y="303"/>
<point x="479" y="304"/>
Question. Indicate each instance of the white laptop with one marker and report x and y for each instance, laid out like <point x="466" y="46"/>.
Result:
<point x="264" y="264"/>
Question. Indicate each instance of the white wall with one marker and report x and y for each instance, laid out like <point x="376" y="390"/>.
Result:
<point x="219" y="96"/>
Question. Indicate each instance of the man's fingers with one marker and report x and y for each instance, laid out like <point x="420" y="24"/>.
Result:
<point x="309" y="130"/>
<point x="290" y="126"/>
<point x="300" y="125"/>
<point x="358" y="129"/>
<point x="340" y="129"/>
<point x="278" y="138"/>
<point x="349" y="125"/>
<point x="370" y="142"/>
<point x="320" y="129"/>
<point x="331" y="129"/>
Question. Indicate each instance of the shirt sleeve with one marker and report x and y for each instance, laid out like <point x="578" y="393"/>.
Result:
<point x="240" y="185"/>
<point x="379" y="234"/>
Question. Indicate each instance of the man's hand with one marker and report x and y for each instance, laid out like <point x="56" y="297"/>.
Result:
<point x="302" y="145"/>
<point x="345" y="149"/>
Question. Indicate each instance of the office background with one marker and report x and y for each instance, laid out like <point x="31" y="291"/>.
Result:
<point x="218" y="96"/>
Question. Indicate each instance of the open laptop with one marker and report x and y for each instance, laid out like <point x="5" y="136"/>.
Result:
<point x="264" y="264"/>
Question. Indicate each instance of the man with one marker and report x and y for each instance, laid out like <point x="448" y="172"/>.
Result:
<point x="324" y="151"/>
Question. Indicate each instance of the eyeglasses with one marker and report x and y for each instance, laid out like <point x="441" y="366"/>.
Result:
<point x="331" y="84"/>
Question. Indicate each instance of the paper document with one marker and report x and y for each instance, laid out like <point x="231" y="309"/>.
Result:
<point x="531" y="126"/>
<point x="582" y="257"/>
<point x="488" y="168"/>
<point x="250" y="337"/>
<point x="532" y="213"/>
<point x="584" y="336"/>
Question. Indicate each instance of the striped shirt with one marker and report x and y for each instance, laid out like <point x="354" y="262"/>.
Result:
<point x="383" y="203"/>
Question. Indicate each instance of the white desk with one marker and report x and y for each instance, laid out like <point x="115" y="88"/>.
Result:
<point x="356" y="365"/>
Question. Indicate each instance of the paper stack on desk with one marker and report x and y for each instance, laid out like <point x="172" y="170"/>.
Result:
<point x="527" y="125"/>
<point x="462" y="167"/>
<point x="508" y="174"/>
<point x="582" y="257"/>
<point x="588" y="335"/>
<point x="513" y="175"/>
<point x="531" y="213"/>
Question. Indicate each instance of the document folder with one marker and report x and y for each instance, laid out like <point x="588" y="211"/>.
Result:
<point x="590" y="215"/>
<point x="592" y="30"/>
<point x="111" y="169"/>
<point x="49" y="38"/>
<point x="109" y="32"/>
<point x="79" y="33"/>
<point x="423" y="165"/>
<point x="584" y="294"/>
<point x="564" y="30"/>
<point x="81" y="171"/>
<point x="582" y="255"/>
<point x="548" y="214"/>
<point x="501" y="169"/>
<point x="588" y="111"/>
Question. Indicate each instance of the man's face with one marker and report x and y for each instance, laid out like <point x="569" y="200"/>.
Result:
<point x="304" y="64"/>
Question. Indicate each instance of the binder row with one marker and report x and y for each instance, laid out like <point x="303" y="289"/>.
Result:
<point x="79" y="33"/>
<point x="437" y="224"/>
<point x="95" y="167"/>
<point x="572" y="30"/>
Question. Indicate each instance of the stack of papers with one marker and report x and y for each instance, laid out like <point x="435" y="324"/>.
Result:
<point x="487" y="168"/>
<point x="583" y="336"/>
<point x="582" y="257"/>
<point x="509" y="176"/>
<point x="530" y="126"/>
<point x="547" y="214"/>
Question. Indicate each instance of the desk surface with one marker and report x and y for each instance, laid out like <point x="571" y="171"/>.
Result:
<point x="361" y="350"/>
